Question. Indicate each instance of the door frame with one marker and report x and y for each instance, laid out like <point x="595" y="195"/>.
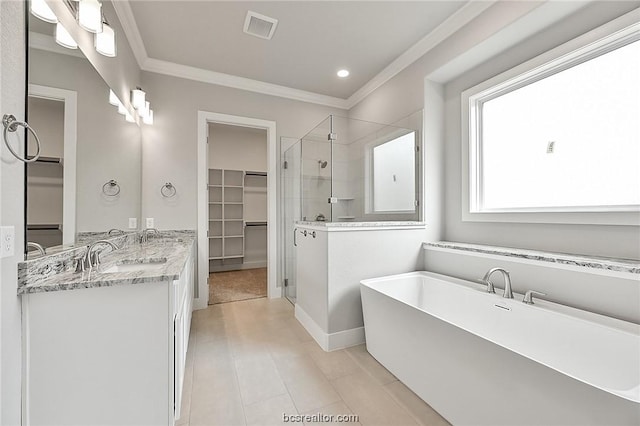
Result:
<point x="204" y="119"/>
<point x="70" y="99"/>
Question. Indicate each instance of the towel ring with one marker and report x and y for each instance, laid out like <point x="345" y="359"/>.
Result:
<point x="111" y="188"/>
<point x="168" y="190"/>
<point x="11" y="125"/>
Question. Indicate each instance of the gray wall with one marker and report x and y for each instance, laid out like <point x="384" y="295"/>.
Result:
<point x="598" y="240"/>
<point x="404" y="94"/>
<point x="108" y="147"/>
<point x="169" y="146"/>
<point x="237" y="148"/>
<point x="12" y="96"/>
<point x="121" y="73"/>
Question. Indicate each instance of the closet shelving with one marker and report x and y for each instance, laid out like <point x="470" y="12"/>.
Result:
<point x="237" y="219"/>
<point x="226" y="202"/>
<point x="45" y="176"/>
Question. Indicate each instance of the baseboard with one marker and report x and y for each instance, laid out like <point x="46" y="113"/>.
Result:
<point x="200" y="303"/>
<point x="329" y="341"/>
<point x="346" y="338"/>
<point x="238" y="267"/>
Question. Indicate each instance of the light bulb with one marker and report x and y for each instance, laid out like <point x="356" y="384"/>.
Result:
<point x="40" y="9"/>
<point x="63" y="38"/>
<point x="90" y="15"/>
<point x="113" y="99"/>
<point x="105" y="41"/>
<point x="143" y="112"/>
<point x="138" y="98"/>
<point x="149" y="118"/>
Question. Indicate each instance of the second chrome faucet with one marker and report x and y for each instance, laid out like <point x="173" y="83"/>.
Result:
<point x="508" y="293"/>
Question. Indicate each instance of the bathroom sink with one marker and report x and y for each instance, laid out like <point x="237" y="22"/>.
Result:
<point x="136" y="266"/>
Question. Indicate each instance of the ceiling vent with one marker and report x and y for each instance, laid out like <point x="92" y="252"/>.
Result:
<point x="260" y="25"/>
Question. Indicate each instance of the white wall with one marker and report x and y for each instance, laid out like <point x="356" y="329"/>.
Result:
<point x="12" y="96"/>
<point x="237" y="148"/>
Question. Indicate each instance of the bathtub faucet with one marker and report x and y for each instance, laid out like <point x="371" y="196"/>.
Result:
<point x="507" y="281"/>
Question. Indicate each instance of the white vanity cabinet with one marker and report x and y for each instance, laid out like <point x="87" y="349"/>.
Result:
<point x="110" y="355"/>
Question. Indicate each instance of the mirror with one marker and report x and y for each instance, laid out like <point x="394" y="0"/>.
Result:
<point x="88" y="179"/>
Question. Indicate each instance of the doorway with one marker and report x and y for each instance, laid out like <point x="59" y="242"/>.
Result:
<point x="228" y="197"/>
<point x="51" y="180"/>
<point x="237" y="196"/>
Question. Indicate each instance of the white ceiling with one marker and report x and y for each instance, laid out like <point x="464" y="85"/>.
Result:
<point x="312" y="41"/>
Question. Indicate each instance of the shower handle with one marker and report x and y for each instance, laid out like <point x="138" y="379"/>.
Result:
<point x="295" y="243"/>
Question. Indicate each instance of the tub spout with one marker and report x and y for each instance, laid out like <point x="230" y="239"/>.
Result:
<point x="508" y="293"/>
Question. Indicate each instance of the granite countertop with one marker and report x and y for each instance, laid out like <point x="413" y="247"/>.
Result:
<point x="611" y="264"/>
<point x="53" y="274"/>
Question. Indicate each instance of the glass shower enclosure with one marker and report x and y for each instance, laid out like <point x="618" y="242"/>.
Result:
<point x="348" y="170"/>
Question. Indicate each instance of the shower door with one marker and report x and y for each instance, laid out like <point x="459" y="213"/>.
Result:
<point x="291" y="204"/>
<point x="316" y="171"/>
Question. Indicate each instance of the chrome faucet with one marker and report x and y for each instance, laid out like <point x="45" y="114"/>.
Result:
<point x="528" y="296"/>
<point x="507" y="282"/>
<point x="38" y="247"/>
<point x="144" y="237"/>
<point x="92" y="258"/>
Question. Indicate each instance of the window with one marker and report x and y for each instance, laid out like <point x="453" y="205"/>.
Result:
<point x="392" y="175"/>
<point x="562" y="137"/>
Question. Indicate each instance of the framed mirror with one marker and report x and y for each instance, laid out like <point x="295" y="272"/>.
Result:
<point x="88" y="178"/>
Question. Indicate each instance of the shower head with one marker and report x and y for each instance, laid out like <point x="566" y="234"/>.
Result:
<point x="323" y="164"/>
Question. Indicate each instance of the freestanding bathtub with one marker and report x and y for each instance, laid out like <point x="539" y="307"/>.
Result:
<point x="480" y="359"/>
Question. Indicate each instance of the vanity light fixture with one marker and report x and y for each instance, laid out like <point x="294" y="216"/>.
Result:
<point x="129" y="118"/>
<point x="143" y="112"/>
<point x="41" y="10"/>
<point x="149" y="118"/>
<point x="343" y="73"/>
<point x="113" y="99"/>
<point x="63" y="38"/>
<point x="90" y="15"/>
<point x="105" y="42"/>
<point x="138" y="98"/>
<point x="146" y="113"/>
<point x="121" y="109"/>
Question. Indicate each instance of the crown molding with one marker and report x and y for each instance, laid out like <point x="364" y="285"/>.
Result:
<point x="452" y="24"/>
<point x="233" y="81"/>
<point x="130" y="28"/>
<point x="457" y="20"/>
<point x="48" y="43"/>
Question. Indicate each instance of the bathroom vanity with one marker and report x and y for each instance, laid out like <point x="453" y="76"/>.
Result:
<point x="108" y="345"/>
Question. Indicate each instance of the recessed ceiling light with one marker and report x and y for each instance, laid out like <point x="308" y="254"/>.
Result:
<point x="343" y="73"/>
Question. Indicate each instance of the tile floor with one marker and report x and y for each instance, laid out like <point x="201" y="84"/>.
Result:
<point x="250" y="362"/>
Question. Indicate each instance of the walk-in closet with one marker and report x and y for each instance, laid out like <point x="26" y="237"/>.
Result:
<point x="237" y="202"/>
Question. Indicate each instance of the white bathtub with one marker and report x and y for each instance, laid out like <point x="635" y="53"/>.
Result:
<point x="478" y="358"/>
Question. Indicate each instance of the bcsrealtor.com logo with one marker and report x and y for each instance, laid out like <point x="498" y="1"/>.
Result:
<point x="320" y="418"/>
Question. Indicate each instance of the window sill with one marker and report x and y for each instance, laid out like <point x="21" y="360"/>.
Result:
<point x="576" y="218"/>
